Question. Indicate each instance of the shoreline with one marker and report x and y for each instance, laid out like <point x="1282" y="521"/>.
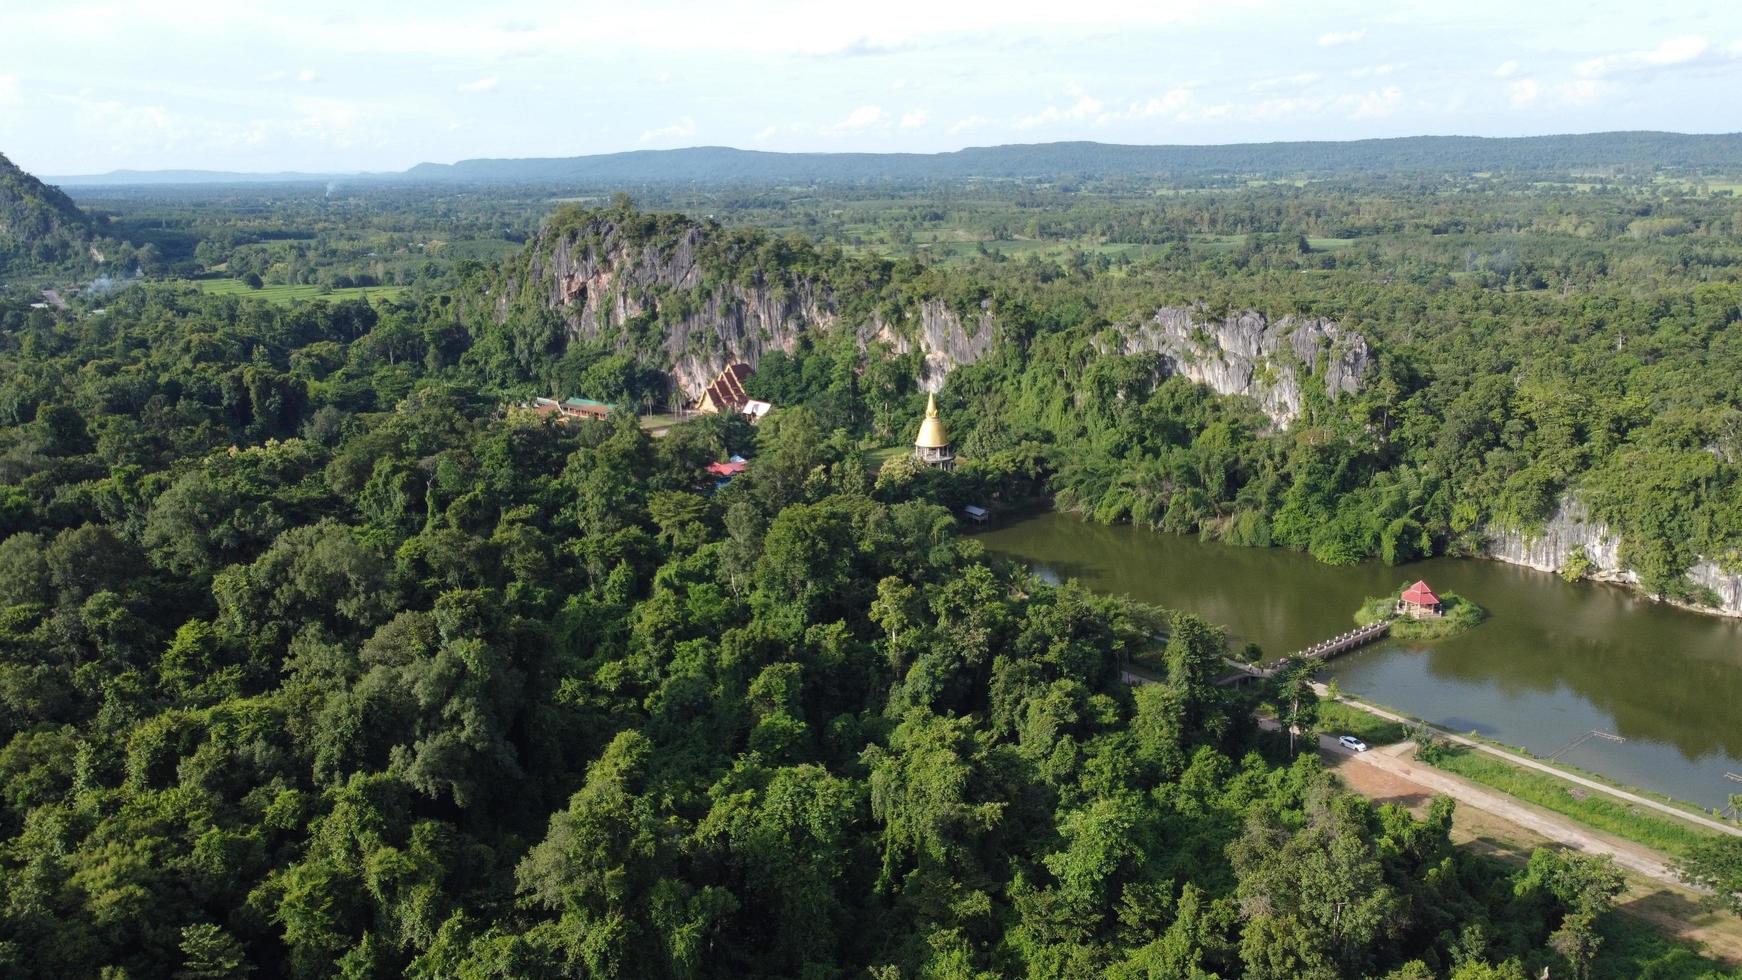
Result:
<point x="1614" y="580"/>
<point x="1685" y="810"/>
<point x="1609" y="578"/>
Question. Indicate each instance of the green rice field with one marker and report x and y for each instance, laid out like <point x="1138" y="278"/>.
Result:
<point x="285" y="295"/>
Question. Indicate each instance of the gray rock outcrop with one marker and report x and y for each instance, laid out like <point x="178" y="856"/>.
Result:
<point x="1571" y="529"/>
<point x="602" y="282"/>
<point x="1252" y="355"/>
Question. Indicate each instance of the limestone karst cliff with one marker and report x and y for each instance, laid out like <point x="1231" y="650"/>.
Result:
<point x="603" y="274"/>
<point x="1570" y="528"/>
<point x="600" y="276"/>
<point x="1268" y="360"/>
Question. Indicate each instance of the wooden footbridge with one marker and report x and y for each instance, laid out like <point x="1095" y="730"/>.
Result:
<point x="1322" y="651"/>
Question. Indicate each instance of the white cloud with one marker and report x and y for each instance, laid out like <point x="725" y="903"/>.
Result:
<point x="1206" y="113"/>
<point x="861" y="118"/>
<point x="484" y="84"/>
<point x="1171" y="102"/>
<point x="339" y="122"/>
<point x="10" y="90"/>
<point x="1288" y="107"/>
<point x="1373" y="71"/>
<point x="786" y="27"/>
<point x="1337" y="38"/>
<point x="1523" y="92"/>
<point x="967" y="124"/>
<point x="307" y="75"/>
<point x="914" y="119"/>
<point x="1378" y="104"/>
<point x="1580" y="91"/>
<point x="1300" y="80"/>
<point x="683" y="129"/>
<point x="1675" y="51"/>
<point x="1085" y="108"/>
<point x="1507" y="69"/>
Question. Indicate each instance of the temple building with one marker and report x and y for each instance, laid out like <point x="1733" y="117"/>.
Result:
<point x="726" y="394"/>
<point x="932" y="445"/>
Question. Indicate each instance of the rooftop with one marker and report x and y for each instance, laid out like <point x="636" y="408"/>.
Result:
<point x="1420" y="595"/>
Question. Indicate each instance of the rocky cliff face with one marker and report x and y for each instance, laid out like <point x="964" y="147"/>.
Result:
<point x="943" y="337"/>
<point x="1570" y="529"/>
<point x="1252" y="355"/>
<point x="601" y="281"/>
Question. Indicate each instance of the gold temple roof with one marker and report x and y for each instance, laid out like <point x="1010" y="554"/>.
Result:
<point x="931" y="431"/>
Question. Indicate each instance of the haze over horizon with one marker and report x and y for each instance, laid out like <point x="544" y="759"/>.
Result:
<point x="333" y="88"/>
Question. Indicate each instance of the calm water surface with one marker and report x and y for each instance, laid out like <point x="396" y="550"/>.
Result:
<point x="1553" y="661"/>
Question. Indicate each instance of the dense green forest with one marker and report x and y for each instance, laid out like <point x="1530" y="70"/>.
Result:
<point x="1527" y="347"/>
<point x="320" y="658"/>
<point x="317" y="662"/>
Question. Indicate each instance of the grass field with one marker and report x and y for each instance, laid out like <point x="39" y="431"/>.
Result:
<point x="1336" y="718"/>
<point x="1594" y="809"/>
<point x="1633" y="948"/>
<point x="875" y="458"/>
<point x="660" y="421"/>
<point x="285" y="295"/>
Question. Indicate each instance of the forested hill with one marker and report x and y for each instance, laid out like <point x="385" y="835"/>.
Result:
<point x="1489" y="402"/>
<point x="1607" y="152"/>
<point x="38" y="223"/>
<point x="1461" y="154"/>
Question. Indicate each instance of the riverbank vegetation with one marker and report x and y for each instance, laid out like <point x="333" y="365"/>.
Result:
<point x="1593" y="808"/>
<point x="1337" y="718"/>
<point x="1457" y="614"/>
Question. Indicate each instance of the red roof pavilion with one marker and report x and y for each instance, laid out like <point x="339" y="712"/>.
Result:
<point x="1420" y="595"/>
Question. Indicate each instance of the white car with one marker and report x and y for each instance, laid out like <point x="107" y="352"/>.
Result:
<point x="1352" y="743"/>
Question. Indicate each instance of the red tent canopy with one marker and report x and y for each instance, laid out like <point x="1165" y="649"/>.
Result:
<point x="727" y="469"/>
<point x="1420" y="595"/>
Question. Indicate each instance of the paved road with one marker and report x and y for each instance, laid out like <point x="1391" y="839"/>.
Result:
<point x="1529" y="763"/>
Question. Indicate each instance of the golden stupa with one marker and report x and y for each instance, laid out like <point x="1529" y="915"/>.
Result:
<point x="932" y="445"/>
<point x="931" y="431"/>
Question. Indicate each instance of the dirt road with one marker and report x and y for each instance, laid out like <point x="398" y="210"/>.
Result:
<point x="1395" y="761"/>
<point x="1529" y="763"/>
<point x="1509" y="829"/>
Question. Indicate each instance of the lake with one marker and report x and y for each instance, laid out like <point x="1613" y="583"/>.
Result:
<point x="1553" y="662"/>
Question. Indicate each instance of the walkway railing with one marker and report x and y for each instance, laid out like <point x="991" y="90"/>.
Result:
<point x="1323" y="650"/>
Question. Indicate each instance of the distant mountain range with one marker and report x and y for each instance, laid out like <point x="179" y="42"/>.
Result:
<point x="1716" y="153"/>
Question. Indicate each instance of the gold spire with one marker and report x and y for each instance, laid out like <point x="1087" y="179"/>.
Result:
<point x="931" y="431"/>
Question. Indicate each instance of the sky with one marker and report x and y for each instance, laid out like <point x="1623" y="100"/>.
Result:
<point x="88" y="86"/>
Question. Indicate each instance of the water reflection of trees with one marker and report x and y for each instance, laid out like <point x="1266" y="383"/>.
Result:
<point x="1652" y="692"/>
<point x="1663" y="675"/>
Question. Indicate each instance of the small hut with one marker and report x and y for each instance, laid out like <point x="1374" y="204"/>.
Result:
<point x="1419" y="602"/>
